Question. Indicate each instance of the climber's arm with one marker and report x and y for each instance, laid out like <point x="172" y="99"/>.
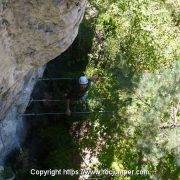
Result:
<point x="68" y="97"/>
<point x="68" y="111"/>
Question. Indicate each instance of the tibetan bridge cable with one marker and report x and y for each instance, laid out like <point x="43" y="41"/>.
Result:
<point x="54" y="79"/>
<point x="59" y="100"/>
<point x="57" y="79"/>
<point x="62" y="113"/>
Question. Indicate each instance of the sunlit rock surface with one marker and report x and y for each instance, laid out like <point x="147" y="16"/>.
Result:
<point x="31" y="34"/>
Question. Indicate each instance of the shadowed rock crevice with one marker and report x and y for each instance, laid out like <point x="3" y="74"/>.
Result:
<point x="31" y="34"/>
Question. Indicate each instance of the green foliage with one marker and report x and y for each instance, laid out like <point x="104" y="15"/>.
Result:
<point x="138" y="34"/>
<point x="133" y="54"/>
<point x="167" y="167"/>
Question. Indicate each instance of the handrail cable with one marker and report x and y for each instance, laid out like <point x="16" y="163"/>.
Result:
<point x="58" y="78"/>
<point x="61" y="113"/>
<point x="55" y="79"/>
<point x="56" y="100"/>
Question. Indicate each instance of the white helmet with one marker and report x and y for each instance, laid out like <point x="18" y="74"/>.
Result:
<point x="83" y="80"/>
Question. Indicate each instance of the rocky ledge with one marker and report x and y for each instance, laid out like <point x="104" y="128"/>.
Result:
<point x="31" y="34"/>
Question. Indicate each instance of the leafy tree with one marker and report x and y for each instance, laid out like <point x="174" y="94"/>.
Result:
<point x="137" y="34"/>
<point x="133" y="54"/>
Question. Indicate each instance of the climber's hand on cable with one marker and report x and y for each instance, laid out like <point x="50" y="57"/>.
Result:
<point x="68" y="112"/>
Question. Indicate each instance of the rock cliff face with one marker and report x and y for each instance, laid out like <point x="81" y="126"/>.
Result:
<point x="32" y="33"/>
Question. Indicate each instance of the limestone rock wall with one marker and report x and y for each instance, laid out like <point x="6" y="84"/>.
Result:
<point x="32" y="32"/>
